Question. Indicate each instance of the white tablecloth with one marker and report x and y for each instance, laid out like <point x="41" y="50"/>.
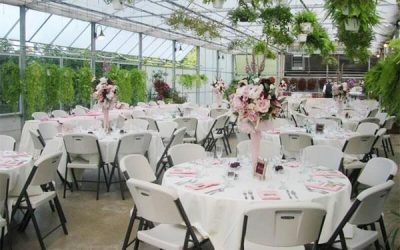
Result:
<point x="220" y="216"/>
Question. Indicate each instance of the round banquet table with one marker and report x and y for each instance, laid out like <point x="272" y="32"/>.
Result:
<point x="215" y="203"/>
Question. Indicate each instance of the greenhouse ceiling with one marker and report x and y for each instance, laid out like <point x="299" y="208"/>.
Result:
<point x="66" y="23"/>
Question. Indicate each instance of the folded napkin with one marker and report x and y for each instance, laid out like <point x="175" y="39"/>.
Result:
<point x="202" y="185"/>
<point x="328" y="186"/>
<point x="328" y="173"/>
<point x="268" y="194"/>
<point x="182" y="172"/>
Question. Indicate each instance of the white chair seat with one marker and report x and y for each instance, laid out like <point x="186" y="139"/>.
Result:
<point x="189" y="139"/>
<point x="167" y="236"/>
<point x="82" y="163"/>
<point x="353" y="163"/>
<point x="39" y="199"/>
<point x="360" y="240"/>
<point x="217" y="135"/>
<point x="252" y="246"/>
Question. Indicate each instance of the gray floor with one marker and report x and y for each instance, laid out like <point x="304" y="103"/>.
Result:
<point x="102" y="224"/>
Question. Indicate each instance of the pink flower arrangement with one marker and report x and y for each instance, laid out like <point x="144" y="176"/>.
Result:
<point x="218" y="86"/>
<point x="106" y="93"/>
<point x="254" y="104"/>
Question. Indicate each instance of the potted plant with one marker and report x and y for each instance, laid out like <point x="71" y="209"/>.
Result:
<point x="305" y="21"/>
<point x="242" y="14"/>
<point x="277" y="21"/>
<point x="352" y="24"/>
<point x="118" y="4"/>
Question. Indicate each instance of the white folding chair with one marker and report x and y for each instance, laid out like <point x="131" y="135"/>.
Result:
<point x="167" y="128"/>
<point x="367" y="128"/>
<point x="181" y="153"/>
<point x="135" y="143"/>
<point x="190" y="123"/>
<point x="388" y="124"/>
<point x="153" y="126"/>
<point x="372" y="112"/>
<point x="377" y="171"/>
<point x="160" y="102"/>
<point x="380" y="140"/>
<point x="78" y="111"/>
<point x="138" y="167"/>
<point x="216" y="112"/>
<point x="275" y="225"/>
<point x="370" y="119"/>
<point x="366" y="210"/>
<point x="324" y="155"/>
<point x="382" y="117"/>
<point x="47" y="130"/>
<point x="267" y="149"/>
<point x="176" y="138"/>
<point x="4" y="213"/>
<point x="172" y="228"/>
<point x="299" y="119"/>
<point x="138" y="113"/>
<point x="59" y="113"/>
<point x="83" y="152"/>
<point x="152" y="103"/>
<point x="136" y="124"/>
<point x="328" y="123"/>
<point x="7" y="143"/>
<point x="38" y="143"/>
<point x="216" y="132"/>
<point x="40" y="116"/>
<point x="42" y="174"/>
<point x="293" y="143"/>
<point x="336" y="119"/>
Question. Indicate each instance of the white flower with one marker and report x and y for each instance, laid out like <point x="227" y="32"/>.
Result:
<point x="256" y="91"/>
<point x="103" y="80"/>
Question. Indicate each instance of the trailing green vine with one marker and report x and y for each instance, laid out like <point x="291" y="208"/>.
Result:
<point x="11" y="87"/>
<point x="83" y="86"/>
<point x="139" y="89"/>
<point x="34" y="79"/>
<point x="51" y="87"/>
<point x="67" y="92"/>
<point x="190" y="80"/>
<point x="125" y="88"/>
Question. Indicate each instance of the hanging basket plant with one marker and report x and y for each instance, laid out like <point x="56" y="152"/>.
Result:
<point x="277" y="21"/>
<point x="243" y="13"/>
<point x="302" y="38"/>
<point x="304" y="22"/>
<point x="189" y="81"/>
<point x="352" y="24"/>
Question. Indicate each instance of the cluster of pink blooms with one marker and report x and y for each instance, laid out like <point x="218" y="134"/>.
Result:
<point x="253" y="104"/>
<point x="218" y="86"/>
<point x="283" y="85"/>
<point x="106" y="93"/>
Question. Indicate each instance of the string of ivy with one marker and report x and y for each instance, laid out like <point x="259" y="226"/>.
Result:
<point x="34" y="78"/>
<point x="190" y="80"/>
<point x="11" y="86"/>
<point x="83" y="86"/>
<point x="139" y="89"/>
<point x="67" y="92"/>
<point x="51" y="86"/>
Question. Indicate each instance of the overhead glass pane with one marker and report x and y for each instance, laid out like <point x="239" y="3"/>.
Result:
<point x="8" y="16"/>
<point x="131" y="47"/>
<point x="51" y="29"/>
<point x="119" y="40"/>
<point x="83" y="40"/>
<point x="71" y="32"/>
<point x="154" y="46"/>
<point x="34" y="19"/>
<point x="109" y="34"/>
<point x="164" y="46"/>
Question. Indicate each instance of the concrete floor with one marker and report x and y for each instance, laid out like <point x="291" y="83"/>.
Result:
<point x="102" y="224"/>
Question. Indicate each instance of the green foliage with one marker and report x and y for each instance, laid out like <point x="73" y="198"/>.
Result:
<point x="188" y="80"/>
<point x="261" y="48"/>
<point x="67" y="92"/>
<point x="231" y="89"/>
<point x="83" y="86"/>
<point x="277" y="21"/>
<point x="34" y="79"/>
<point x="138" y="81"/>
<point x="51" y="86"/>
<point x="11" y="87"/>
<point x="243" y="13"/>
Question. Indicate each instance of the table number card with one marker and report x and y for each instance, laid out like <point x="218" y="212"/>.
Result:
<point x="260" y="169"/>
<point x="319" y="128"/>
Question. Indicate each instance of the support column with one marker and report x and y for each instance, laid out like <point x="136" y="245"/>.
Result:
<point x="197" y="72"/>
<point x="140" y="50"/>
<point x="93" y="47"/>
<point x="22" y="53"/>
<point x="173" y="63"/>
<point x="218" y="58"/>
<point x="233" y="58"/>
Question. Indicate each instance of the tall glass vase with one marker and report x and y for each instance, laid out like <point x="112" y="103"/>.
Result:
<point x="255" y="138"/>
<point x="218" y="99"/>
<point x="106" y="119"/>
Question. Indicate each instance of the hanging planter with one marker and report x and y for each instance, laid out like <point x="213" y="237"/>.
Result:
<point x="302" y="37"/>
<point x="117" y="4"/>
<point x="352" y="24"/>
<point x="306" y="27"/>
<point x="218" y="4"/>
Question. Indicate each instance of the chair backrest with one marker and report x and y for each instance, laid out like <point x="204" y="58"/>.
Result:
<point x="40" y="116"/>
<point x="379" y="136"/>
<point x="46" y="169"/>
<point x="138" y="113"/>
<point x="81" y="144"/>
<point x="215" y="112"/>
<point x="135" y="124"/>
<point x="283" y="224"/>
<point x="323" y="155"/>
<point x="181" y="153"/>
<point x="190" y="123"/>
<point x="267" y="149"/>
<point x="378" y="170"/>
<point x="135" y="143"/>
<point x="59" y="113"/>
<point x="7" y="143"/>
<point x="78" y="111"/>
<point x="38" y="143"/>
<point x="382" y="117"/>
<point x="299" y="119"/>
<point x="152" y="103"/>
<point x="220" y="122"/>
<point x="371" y="204"/>
<point x="370" y="119"/>
<point x="137" y="167"/>
<point x="367" y="128"/>
<point x="149" y="198"/>
<point x="160" y="102"/>
<point x="292" y="143"/>
<point x="372" y="112"/>
<point x="152" y="123"/>
<point x="48" y="130"/>
<point x="88" y="124"/>
<point x="389" y="122"/>
<point x="167" y="128"/>
<point x="359" y="144"/>
<point x="177" y="137"/>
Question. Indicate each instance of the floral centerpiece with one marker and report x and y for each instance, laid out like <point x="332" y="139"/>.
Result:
<point x="282" y="88"/>
<point x="218" y="88"/>
<point x="255" y="104"/>
<point x="106" y="96"/>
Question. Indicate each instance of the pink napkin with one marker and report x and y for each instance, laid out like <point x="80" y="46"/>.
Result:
<point x="10" y="162"/>
<point x="93" y="113"/>
<point x="323" y="186"/>
<point x="268" y="194"/>
<point x="44" y="119"/>
<point x="182" y="172"/>
<point x="292" y="164"/>
<point x="202" y="185"/>
<point x="327" y="173"/>
<point x="13" y="154"/>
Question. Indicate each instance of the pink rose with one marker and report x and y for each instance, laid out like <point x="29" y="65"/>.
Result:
<point x="262" y="105"/>
<point x="252" y="115"/>
<point x="256" y="91"/>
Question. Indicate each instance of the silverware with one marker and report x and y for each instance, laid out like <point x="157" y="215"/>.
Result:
<point x="317" y="190"/>
<point x="294" y="194"/>
<point x="214" y="191"/>
<point x="245" y="195"/>
<point x="185" y="181"/>
<point x="251" y="194"/>
<point x="288" y="193"/>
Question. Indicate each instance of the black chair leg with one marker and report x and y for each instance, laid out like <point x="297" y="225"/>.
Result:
<point x="111" y="176"/>
<point x="65" y="183"/>
<point x="39" y="235"/>
<point x="74" y="177"/>
<point x="384" y="234"/>
<point x="391" y="145"/>
<point x="136" y="247"/>
<point x="105" y="178"/>
<point x="98" y="183"/>
<point x="121" y="187"/>
<point x="376" y="243"/>
<point x="129" y="230"/>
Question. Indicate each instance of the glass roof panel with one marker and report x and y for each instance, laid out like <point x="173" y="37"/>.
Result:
<point x="82" y="40"/>
<point x="118" y="41"/>
<point x="9" y="15"/>
<point x="71" y="32"/>
<point x="109" y="34"/>
<point x="50" y="29"/>
<point x="34" y="19"/>
<point x="131" y="46"/>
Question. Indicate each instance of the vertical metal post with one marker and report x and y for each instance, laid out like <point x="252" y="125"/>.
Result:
<point x="22" y="54"/>
<point x="93" y="47"/>
<point x="173" y="63"/>
<point x="218" y="57"/>
<point x="233" y="59"/>
<point x="197" y="72"/>
<point x="140" y="50"/>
